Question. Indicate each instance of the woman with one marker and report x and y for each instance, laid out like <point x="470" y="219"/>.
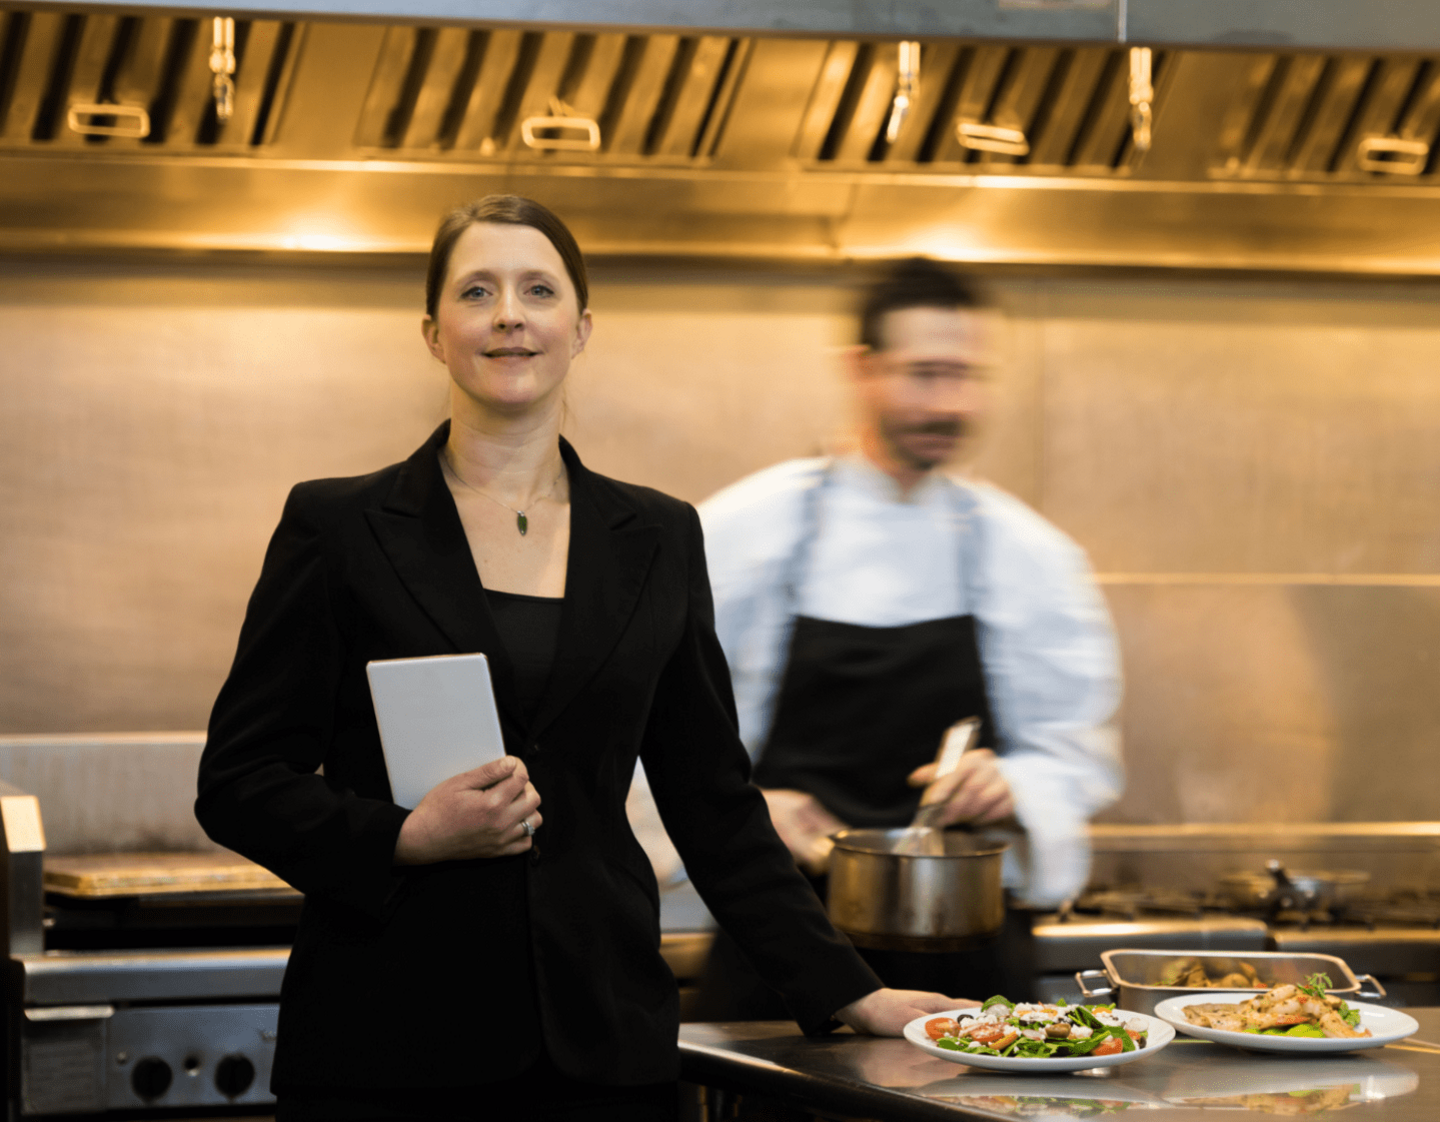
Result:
<point x="478" y="953"/>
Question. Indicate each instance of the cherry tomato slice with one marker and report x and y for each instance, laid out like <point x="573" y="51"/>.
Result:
<point x="941" y="1026"/>
<point x="1109" y="1048"/>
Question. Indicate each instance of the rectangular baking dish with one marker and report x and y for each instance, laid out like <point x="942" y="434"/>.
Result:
<point x="1130" y="978"/>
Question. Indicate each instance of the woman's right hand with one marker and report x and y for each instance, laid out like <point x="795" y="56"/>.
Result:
<point x="474" y="814"/>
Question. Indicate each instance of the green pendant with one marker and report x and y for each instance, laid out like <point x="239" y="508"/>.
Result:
<point x="521" y="522"/>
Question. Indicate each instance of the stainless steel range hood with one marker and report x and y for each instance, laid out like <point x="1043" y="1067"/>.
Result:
<point x="353" y="136"/>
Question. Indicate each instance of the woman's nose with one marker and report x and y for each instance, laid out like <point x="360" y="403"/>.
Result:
<point x="509" y="312"/>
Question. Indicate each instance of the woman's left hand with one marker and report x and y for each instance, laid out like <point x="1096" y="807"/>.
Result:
<point x="887" y="1012"/>
<point x="479" y="813"/>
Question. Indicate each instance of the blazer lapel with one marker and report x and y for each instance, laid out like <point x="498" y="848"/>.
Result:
<point x="419" y="529"/>
<point x="611" y="550"/>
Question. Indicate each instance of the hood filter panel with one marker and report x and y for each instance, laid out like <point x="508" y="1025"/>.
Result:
<point x="1334" y="117"/>
<point x="504" y="93"/>
<point x="50" y="63"/>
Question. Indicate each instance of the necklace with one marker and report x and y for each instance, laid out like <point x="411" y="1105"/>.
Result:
<point x="522" y="523"/>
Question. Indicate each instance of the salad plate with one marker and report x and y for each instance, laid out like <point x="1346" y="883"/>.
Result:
<point x="1157" y="1034"/>
<point x="1386" y="1027"/>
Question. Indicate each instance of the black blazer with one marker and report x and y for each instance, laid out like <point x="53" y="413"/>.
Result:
<point x="460" y="972"/>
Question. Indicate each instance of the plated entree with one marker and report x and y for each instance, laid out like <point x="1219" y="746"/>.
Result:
<point x="1284" y="1010"/>
<point x="1001" y="1027"/>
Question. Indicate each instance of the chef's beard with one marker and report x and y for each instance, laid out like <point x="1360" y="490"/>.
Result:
<point x="894" y="433"/>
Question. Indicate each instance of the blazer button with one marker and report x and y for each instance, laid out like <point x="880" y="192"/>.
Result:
<point x="535" y="748"/>
<point x="534" y="853"/>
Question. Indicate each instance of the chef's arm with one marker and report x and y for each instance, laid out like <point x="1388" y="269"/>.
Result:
<point x="1053" y="675"/>
<point x="749" y="545"/>
<point x="804" y="825"/>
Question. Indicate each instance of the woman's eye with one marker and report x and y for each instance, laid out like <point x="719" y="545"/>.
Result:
<point x="541" y="290"/>
<point x="474" y="292"/>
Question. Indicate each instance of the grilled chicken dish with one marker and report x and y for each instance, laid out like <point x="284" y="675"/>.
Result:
<point x="1284" y="1009"/>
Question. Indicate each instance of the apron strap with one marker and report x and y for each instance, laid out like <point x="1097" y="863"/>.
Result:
<point x="969" y="529"/>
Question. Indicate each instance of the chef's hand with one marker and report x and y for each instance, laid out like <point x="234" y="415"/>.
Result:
<point x="887" y="1012"/>
<point x="974" y="792"/>
<point x="474" y="814"/>
<point x="804" y="826"/>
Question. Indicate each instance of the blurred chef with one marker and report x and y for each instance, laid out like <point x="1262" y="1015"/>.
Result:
<point x="867" y="601"/>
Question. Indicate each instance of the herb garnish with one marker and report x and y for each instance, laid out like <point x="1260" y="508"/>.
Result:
<point x="1316" y="985"/>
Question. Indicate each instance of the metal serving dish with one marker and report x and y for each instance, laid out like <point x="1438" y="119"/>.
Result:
<point x="1132" y="978"/>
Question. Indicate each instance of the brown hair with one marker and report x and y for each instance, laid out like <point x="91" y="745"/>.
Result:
<point x="917" y="282"/>
<point x="513" y="210"/>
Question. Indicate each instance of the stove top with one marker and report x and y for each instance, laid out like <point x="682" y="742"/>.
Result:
<point x="1391" y="934"/>
<point x="1366" y="910"/>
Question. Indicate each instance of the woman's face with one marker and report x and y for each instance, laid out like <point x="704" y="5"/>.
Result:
<point x="507" y="321"/>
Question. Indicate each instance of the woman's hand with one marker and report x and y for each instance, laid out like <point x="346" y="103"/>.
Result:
<point x="804" y="825"/>
<point x="975" y="791"/>
<point x="475" y="814"/>
<point x="887" y="1012"/>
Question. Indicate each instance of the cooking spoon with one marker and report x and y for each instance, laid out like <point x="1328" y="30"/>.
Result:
<point x="922" y="838"/>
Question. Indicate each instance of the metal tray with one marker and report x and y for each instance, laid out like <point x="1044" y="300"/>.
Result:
<point x="1130" y="977"/>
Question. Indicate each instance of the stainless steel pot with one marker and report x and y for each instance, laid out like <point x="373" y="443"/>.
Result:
<point x="891" y="901"/>
<point x="1282" y="889"/>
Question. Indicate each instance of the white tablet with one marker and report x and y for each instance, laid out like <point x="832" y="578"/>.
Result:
<point x="437" y="718"/>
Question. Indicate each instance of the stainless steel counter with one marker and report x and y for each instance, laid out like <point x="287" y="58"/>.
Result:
<point x="864" y="1077"/>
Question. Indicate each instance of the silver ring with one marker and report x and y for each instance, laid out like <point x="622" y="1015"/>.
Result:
<point x="529" y="829"/>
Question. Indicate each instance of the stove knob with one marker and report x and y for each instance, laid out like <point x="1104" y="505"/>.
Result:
<point x="151" y="1078"/>
<point x="233" y="1076"/>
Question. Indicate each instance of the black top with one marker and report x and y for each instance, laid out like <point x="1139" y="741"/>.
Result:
<point x="529" y="627"/>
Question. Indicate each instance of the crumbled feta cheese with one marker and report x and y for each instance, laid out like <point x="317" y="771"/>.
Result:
<point x="1033" y="1034"/>
<point x="1080" y="1032"/>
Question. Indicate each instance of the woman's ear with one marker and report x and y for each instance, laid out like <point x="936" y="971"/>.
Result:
<point x="430" y="330"/>
<point x="582" y="333"/>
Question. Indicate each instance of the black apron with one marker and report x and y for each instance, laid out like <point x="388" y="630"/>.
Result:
<point x="859" y="708"/>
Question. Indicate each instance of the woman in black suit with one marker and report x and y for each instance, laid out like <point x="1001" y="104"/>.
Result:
<point x="490" y="951"/>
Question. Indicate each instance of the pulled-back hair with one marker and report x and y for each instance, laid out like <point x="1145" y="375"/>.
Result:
<point x="512" y="210"/>
<point x="916" y="282"/>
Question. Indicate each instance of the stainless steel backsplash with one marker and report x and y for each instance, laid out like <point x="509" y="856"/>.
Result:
<point x="1252" y="466"/>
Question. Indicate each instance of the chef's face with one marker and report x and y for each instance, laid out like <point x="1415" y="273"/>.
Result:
<point x="924" y="390"/>
<point x="507" y="321"/>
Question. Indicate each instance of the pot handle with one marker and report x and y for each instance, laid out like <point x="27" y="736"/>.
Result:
<point x="1100" y="991"/>
<point x="1370" y="979"/>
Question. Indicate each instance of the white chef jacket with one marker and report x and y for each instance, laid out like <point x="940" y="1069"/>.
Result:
<point x="880" y="559"/>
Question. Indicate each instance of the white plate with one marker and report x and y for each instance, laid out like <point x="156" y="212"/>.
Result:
<point x="1386" y="1026"/>
<point x="1158" y="1034"/>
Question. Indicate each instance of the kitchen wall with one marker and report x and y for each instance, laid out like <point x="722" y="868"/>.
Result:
<point x="1252" y="466"/>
